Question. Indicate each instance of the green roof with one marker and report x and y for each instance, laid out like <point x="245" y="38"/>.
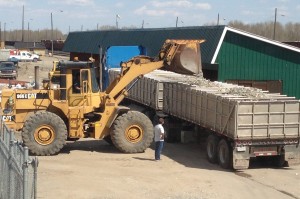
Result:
<point x="151" y="39"/>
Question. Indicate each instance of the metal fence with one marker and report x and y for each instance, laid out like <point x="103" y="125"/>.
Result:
<point x="18" y="171"/>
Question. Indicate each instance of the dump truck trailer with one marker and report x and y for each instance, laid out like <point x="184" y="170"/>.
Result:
<point x="240" y="122"/>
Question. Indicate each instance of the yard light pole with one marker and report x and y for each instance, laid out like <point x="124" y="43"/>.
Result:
<point x="117" y="22"/>
<point x="51" y="35"/>
<point x="275" y="23"/>
<point x="52" y="32"/>
<point x="4" y="33"/>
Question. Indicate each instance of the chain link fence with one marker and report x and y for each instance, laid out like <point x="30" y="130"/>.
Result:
<point x="18" y="171"/>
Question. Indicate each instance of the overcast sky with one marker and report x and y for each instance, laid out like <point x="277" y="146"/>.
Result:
<point x="86" y="14"/>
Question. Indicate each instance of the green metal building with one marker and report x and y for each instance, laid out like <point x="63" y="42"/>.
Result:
<point x="228" y="55"/>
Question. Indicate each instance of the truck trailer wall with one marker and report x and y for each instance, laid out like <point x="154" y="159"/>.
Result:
<point x="236" y="116"/>
<point x="235" y="111"/>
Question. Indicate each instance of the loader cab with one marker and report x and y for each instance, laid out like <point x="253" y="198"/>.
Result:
<point x="78" y="83"/>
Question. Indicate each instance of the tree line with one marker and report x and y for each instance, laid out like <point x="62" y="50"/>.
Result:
<point x="283" y="32"/>
<point x="32" y="35"/>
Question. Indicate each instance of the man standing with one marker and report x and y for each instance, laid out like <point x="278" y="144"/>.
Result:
<point x="159" y="138"/>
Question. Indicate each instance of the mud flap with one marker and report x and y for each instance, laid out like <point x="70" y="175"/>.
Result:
<point x="240" y="158"/>
<point x="292" y="154"/>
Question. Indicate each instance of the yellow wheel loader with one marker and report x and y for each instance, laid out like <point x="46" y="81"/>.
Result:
<point x="47" y="117"/>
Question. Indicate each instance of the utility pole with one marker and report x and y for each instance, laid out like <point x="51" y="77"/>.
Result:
<point x="28" y="32"/>
<point x="0" y="33"/>
<point x="117" y="23"/>
<point x="51" y="34"/>
<point x="275" y="24"/>
<point x="176" y="22"/>
<point x="4" y="33"/>
<point x="23" y="25"/>
<point x="143" y="24"/>
<point x="218" y="19"/>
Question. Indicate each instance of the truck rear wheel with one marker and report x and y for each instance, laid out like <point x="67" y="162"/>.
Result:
<point x="212" y="148"/>
<point x="44" y="133"/>
<point x="224" y="154"/>
<point x="132" y="132"/>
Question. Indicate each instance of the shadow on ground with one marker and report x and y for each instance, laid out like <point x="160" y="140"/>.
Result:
<point x="191" y="155"/>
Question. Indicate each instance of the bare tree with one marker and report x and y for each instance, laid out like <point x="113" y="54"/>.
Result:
<point x="287" y="32"/>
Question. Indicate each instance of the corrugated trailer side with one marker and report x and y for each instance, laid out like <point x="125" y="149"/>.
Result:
<point x="236" y="116"/>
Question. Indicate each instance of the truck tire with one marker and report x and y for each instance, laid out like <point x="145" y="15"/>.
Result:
<point x="44" y="133"/>
<point x="279" y="161"/>
<point x="108" y="140"/>
<point x="224" y="155"/>
<point x="172" y="131"/>
<point x="212" y="148"/>
<point x="132" y="132"/>
<point x="35" y="60"/>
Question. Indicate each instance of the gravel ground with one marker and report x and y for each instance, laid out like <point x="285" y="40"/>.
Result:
<point x="93" y="169"/>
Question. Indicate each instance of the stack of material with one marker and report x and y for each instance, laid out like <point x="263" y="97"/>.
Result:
<point x="236" y="111"/>
<point x="149" y="89"/>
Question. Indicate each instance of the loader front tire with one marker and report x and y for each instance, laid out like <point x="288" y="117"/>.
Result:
<point x="44" y="133"/>
<point x="132" y="132"/>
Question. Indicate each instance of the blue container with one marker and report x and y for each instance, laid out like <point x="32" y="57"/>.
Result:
<point x="117" y="54"/>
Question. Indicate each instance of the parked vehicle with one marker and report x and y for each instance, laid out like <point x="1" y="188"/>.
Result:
<point x="24" y="56"/>
<point x="8" y="70"/>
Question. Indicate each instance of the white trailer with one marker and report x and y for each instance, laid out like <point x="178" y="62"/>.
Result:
<point x="240" y="123"/>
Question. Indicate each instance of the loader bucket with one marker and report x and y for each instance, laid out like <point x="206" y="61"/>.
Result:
<point x="187" y="59"/>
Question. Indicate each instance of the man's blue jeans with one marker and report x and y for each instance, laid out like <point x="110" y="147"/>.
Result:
<point x="158" y="148"/>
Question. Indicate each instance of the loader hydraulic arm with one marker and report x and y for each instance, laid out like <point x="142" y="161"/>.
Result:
<point x="184" y="50"/>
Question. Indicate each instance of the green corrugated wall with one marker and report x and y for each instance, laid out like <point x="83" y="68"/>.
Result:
<point x="244" y="58"/>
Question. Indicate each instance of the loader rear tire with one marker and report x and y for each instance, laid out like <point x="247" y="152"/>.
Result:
<point x="108" y="140"/>
<point x="44" y="133"/>
<point x="132" y="132"/>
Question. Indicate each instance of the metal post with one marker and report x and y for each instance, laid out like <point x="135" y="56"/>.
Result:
<point x="51" y="35"/>
<point x="10" y="175"/>
<point x="275" y="24"/>
<point x="100" y="67"/>
<point x="37" y="77"/>
<point x="36" y="163"/>
<point x="25" y="173"/>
